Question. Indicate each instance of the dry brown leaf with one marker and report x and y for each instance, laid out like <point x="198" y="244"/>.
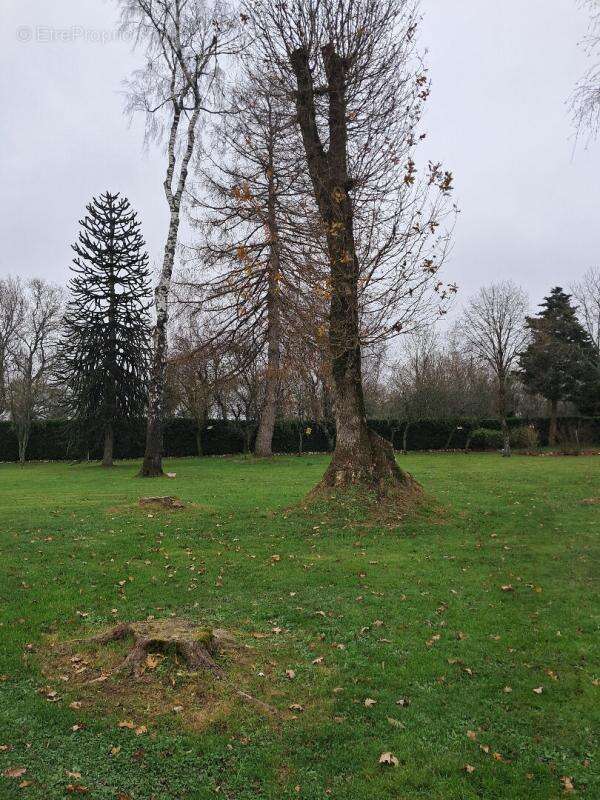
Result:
<point x="369" y="702"/>
<point x="471" y="735"/>
<point x="388" y="759"/>
<point x="126" y="723"/>
<point x="538" y="689"/>
<point x="290" y="673"/>
<point x="469" y="768"/>
<point x="14" y="772"/>
<point x="567" y="784"/>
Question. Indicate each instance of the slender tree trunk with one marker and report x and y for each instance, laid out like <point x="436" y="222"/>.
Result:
<point x="152" y="465"/>
<point x="553" y="429"/>
<point x="264" y="438"/>
<point x="405" y="438"/>
<point x="107" y="460"/>
<point x="23" y="441"/>
<point x="503" y="420"/>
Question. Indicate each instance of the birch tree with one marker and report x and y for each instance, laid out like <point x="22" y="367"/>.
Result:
<point x="493" y="329"/>
<point x="183" y="40"/>
<point x="358" y="87"/>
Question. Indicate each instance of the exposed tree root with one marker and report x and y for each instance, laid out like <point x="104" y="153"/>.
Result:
<point x="162" y="502"/>
<point x="194" y="645"/>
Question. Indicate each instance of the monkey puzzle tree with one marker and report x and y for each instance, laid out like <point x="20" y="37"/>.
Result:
<point x="105" y="349"/>
<point x="358" y="88"/>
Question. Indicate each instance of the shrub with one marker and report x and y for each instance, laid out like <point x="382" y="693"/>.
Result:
<point x="525" y="437"/>
<point x="486" y="439"/>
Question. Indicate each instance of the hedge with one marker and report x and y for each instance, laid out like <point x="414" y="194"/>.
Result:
<point x="56" y="440"/>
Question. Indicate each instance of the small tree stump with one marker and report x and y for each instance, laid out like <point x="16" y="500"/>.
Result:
<point x="195" y="645"/>
<point x="163" y="502"/>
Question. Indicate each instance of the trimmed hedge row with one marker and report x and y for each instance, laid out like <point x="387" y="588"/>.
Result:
<point x="56" y="440"/>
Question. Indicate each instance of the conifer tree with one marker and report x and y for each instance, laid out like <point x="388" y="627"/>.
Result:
<point x="560" y="361"/>
<point x="106" y="349"/>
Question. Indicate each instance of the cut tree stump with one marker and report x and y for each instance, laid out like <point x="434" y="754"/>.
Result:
<point x="163" y="502"/>
<point x="195" y="645"/>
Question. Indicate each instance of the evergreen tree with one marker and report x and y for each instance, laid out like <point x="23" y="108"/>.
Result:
<point x="560" y="362"/>
<point x="106" y="349"/>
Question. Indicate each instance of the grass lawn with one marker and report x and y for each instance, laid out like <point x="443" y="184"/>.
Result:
<point x="504" y="681"/>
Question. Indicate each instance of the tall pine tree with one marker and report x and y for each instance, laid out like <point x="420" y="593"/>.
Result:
<point x="560" y="362"/>
<point x="105" y="351"/>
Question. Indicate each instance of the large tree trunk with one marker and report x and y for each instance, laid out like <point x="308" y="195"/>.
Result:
<point x="361" y="457"/>
<point x="553" y="429"/>
<point x="107" y="459"/>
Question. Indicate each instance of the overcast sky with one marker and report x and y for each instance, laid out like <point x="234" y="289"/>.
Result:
<point x="502" y="73"/>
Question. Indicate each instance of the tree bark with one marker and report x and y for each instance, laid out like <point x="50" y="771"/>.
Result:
<point x="152" y="465"/>
<point x="264" y="439"/>
<point x="107" y="460"/>
<point x="503" y="420"/>
<point x="553" y="429"/>
<point x="361" y="457"/>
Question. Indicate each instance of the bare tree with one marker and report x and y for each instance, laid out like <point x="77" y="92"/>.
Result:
<point x="11" y="313"/>
<point x="587" y="294"/>
<point x="198" y="372"/>
<point x="585" y="104"/>
<point x="493" y="328"/>
<point x="247" y="213"/>
<point x="31" y="356"/>
<point x="183" y="40"/>
<point x="358" y="87"/>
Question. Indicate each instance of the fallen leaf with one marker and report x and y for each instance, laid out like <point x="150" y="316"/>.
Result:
<point x="435" y="638"/>
<point x="538" y="689"/>
<point x="296" y="707"/>
<point x="77" y="788"/>
<point x="14" y="772"/>
<point x="388" y="759"/>
<point x="567" y="784"/>
<point x="140" y="730"/>
<point x="290" y="673"/>
<point x="403" y="701"/>
<point x="126" y="723"/>
<point x="369" y="702"/>
<point x="395" y="722"/>
<point x="471" y="735"/>
<point x="468" y="768"/>
<point x="507" y="587"/>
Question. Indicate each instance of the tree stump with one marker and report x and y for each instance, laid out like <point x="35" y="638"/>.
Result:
<point x="195" y="645"/>
<point x="162" y="502"/>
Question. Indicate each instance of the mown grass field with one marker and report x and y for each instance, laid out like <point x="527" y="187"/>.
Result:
<point x="413" y="612"/>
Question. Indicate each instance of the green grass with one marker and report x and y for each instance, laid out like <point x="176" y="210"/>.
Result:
<point x="450" y="640"/>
